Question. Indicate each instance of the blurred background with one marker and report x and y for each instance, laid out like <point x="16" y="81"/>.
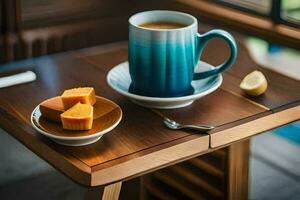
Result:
<point x="30" y="28"/>
<point x="269" y="29"/>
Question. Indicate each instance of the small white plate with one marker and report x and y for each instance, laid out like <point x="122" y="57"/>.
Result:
<point x="109" y="115"/>
<point x="118" y="78"/>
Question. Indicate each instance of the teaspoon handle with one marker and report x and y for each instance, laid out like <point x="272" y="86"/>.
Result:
<point x="203" y="128"/>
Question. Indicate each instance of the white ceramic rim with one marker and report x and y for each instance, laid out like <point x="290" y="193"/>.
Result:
<point x="171" y="12"/>
<point x="74" y="138"/>
<point x="161" y="99"/>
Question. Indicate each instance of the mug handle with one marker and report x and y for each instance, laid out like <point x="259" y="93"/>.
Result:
<point x="202" y="41"/>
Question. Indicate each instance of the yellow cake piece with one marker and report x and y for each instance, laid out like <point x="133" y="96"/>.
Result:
<point x="78" y="117"/>
<point x="84" y="95"/>
<point x="52" y="108"/>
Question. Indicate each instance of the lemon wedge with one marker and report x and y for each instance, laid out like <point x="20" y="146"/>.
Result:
<point x="254" y="83"/>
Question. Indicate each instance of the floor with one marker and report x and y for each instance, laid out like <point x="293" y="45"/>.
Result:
<point x="275" y="165"/>
<point x="32" y="177"/>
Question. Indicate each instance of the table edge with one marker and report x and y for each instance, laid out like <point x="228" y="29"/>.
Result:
<point x="254" y="127"/>
<point x="151" y="162"/>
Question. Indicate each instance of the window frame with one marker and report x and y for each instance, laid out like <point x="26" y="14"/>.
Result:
<point x="275" y="14"/>
<point x="241" y="8"/>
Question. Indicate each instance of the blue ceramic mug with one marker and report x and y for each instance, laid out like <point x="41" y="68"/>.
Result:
<point x="162" y="61"/>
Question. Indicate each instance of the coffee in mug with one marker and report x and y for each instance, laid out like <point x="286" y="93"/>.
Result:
<point x="162" y="25"/>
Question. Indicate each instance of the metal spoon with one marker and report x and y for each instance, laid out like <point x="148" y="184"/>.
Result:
<point x="171" y="124"/>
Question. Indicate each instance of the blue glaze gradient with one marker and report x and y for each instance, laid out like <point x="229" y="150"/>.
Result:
<point x="162" y="62"/>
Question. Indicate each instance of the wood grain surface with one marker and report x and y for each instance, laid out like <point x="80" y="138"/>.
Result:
<point x="141" y="144"/>
<point x="238" y="170"/>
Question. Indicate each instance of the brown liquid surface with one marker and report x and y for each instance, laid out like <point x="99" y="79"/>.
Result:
<point x="162" y="25"/>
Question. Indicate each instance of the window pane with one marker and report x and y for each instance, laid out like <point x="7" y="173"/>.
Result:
<point x="259" y="6"/>
<point x="291" y="10"/>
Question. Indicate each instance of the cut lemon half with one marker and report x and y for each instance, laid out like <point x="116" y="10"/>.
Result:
<point x="254" y="83"/>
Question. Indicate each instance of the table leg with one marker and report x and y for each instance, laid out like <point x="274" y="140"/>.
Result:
<point x="109" y="192"/>
<point x="238" y="168"/>
<point x="112" y="192"/>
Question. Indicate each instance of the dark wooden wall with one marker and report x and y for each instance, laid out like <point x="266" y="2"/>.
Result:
<point x="32" y="27"/>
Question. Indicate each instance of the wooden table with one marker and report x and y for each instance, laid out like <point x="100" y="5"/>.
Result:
<point x="141" y="144"/>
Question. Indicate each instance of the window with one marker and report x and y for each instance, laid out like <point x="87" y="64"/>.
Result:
<point x="279" y="11"/>
<point x="255" y="6"/>
<point x="291" y="11"/>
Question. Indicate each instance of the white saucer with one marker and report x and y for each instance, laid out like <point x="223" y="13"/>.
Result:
<point x="118" y="78"/>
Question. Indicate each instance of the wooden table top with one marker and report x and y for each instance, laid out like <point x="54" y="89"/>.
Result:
<point x="141" y="144"/>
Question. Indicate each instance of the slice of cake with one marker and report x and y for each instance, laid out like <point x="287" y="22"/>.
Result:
<point x="52" y="108"/>
<point x="84" y="95"/>
<point x="78" y="117"/>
